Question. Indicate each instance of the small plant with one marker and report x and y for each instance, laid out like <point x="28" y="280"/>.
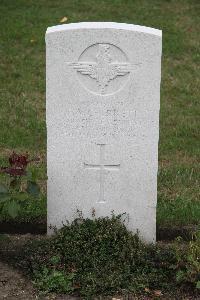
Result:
<point x="21" y="184"/>
<point x="188" y="261"/>
<point x="52" y="280"/>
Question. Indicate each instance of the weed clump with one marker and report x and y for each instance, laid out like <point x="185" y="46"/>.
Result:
<point x="188" y="261"/>
<point x="100" y="256"/>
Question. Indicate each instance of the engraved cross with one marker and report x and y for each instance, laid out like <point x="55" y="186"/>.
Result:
<point x="102" y="167"/>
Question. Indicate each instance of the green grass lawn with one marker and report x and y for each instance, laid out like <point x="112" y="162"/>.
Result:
<point x="22" y="87"/>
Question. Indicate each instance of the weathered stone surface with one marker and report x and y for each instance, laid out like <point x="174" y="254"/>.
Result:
<point x="103" y="95"/>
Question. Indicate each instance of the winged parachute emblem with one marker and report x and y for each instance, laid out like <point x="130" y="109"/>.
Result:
<point x="103" y="70"/>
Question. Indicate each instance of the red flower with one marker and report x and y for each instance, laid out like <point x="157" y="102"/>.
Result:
<point x="18" y="163"/>
<point x="18" y="160"/>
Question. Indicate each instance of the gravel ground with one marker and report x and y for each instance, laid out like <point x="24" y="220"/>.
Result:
<point x="13" y="285"/>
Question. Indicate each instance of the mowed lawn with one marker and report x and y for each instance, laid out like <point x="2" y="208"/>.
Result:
<point x="22" y="88"/>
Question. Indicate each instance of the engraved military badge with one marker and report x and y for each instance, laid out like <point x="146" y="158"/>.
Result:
<point x="102" y="69"/>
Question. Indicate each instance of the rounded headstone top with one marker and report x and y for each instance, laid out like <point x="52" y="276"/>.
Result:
<point x="104" y="25"/>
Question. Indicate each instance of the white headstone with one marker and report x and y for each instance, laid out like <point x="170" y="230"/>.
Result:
<point x="103" y="97"/>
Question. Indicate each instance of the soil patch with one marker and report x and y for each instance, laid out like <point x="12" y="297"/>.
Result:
<point x="13" y="285"/>
<point x="163" y="233"/>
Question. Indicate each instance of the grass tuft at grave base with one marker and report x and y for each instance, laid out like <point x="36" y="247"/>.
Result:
<point x="22" y="90"/>
<point x="101" y="257"/>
